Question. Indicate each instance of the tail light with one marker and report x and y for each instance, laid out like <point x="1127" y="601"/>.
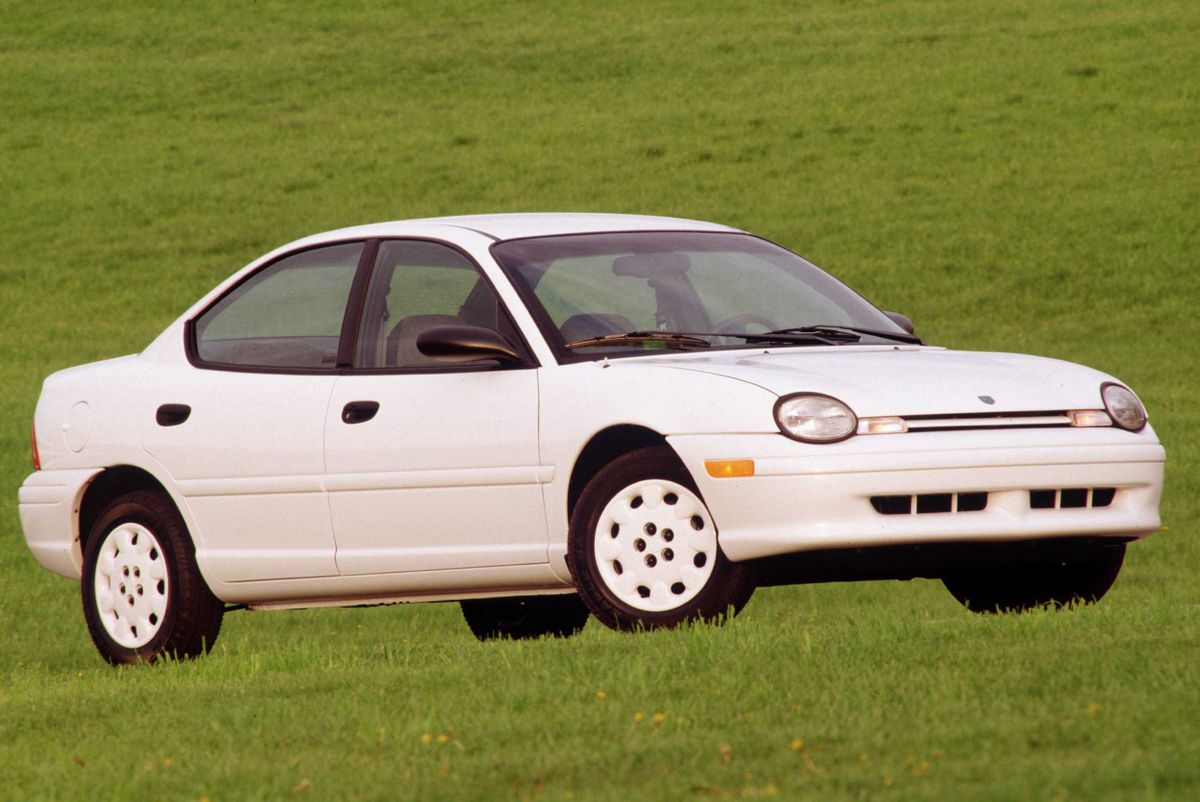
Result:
<point x="37" y="459"/>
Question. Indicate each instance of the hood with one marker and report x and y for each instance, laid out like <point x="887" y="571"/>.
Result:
<point x="909" y="380"/>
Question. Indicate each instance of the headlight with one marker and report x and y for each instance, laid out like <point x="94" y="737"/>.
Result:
<point x="814" y="418"/>
<point x="1123" y="407"/>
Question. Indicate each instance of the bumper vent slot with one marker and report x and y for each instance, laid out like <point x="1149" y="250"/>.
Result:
<point x="1071" y="498"/>
<point x="928" y="503"/>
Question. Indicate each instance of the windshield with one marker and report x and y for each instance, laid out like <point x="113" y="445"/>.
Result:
<point x="724" y="289"/>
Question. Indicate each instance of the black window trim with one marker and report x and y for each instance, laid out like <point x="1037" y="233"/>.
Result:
<point x="348" y="336"/>
<point x="347" y="339"/>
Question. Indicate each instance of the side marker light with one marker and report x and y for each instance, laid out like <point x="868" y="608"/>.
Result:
<point x="729" y="468"/>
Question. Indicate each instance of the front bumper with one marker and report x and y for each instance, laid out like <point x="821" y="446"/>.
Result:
<point x="48" y="503"/>
<point x="807" y="497"/>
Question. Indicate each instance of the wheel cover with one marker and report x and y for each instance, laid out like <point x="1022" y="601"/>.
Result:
<point x="655" y="545"/>
<point x="131" y="585"/>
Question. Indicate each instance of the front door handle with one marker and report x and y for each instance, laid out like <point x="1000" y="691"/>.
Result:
<point x="359" y="411"/>
<point x="172" y="414"/>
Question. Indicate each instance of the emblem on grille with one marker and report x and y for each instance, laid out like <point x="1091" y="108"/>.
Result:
<point x="987" y="399"/>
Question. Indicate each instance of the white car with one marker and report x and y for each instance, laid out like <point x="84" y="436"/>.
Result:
<point x="550" y="415"/>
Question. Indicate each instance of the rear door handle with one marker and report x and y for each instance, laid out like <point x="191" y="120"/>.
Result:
<point x="359" y="411"/>
<point x="172" y="414"/>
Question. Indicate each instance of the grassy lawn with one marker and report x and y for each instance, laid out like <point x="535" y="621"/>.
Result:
<point x="1014" y="176"/>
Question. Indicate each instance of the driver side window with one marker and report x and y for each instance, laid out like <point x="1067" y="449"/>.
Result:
<point x="416" y="285"/>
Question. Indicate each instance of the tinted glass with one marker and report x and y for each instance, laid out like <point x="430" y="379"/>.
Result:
<point x="714" y="284"/>
<point x="416" y="285"/>
<point x="288" y="315"/>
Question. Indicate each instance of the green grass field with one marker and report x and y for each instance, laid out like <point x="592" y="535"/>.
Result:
<point x="1013" y="175"/>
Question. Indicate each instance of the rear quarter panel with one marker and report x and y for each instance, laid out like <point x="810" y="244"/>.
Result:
<point x="84" y="423"/>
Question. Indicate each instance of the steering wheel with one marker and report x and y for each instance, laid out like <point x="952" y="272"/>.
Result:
<point x="738" y="323"/>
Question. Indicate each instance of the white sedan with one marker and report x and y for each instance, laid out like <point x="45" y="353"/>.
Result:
<point x="555" y="415"/>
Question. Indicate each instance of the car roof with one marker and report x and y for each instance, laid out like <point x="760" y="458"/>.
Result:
<point x="516" y="226"/>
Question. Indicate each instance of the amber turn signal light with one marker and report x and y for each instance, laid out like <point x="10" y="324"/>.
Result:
<point x="729" y="468"/>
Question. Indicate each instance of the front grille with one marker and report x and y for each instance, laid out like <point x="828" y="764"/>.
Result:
<point x="926" y="503"/>
<point x="1052" y="419"/>
<point x="1071" y="498"/>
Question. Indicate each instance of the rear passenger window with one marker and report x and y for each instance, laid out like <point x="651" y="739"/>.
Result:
<point x="288" y="315"/>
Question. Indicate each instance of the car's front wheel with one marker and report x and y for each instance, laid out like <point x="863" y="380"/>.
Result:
<point x="1083" y="576"/>
<point x="525" y="617"/>
<point x="143" y="597"/>
<point x="643" y="547"/>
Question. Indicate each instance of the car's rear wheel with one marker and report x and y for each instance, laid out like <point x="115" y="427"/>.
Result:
<point x="643" y="547"/>
<point x="1083" y="576"/>
<point x="143" y="597"/>
<point x="525" y="617"/>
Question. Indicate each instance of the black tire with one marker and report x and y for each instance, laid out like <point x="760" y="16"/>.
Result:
<point x="1083" y="577"/>
<point x="714" y="599"/>
<point x="525" y="617"/>
<point x="164" y="578"/>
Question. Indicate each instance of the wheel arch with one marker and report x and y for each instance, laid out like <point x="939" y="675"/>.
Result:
<point x="605" y="446"/>
<point x="108" y="485"/>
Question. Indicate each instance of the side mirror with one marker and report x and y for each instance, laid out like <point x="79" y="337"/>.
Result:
<point x="902" y="321"/>
<point x="466" y="344"/>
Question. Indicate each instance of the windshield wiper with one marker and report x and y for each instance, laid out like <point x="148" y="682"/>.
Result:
<point x="846" y="332"/>
<point x="672" y="339"/>
<point x="792" y="337"/>
<point x="682" y="339"/>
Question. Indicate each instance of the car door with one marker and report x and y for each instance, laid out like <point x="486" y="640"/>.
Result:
<point x="430" y="465"/>
<point x="239" y="424"/>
